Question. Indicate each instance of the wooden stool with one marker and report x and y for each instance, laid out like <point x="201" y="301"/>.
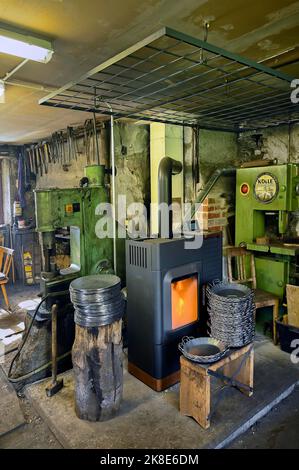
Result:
<point x="195" y="390"/>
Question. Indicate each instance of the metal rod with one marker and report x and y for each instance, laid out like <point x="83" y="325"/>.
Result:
<point x="112" y="158"/>
<point x="30" y="85"/>
<point x="13" y="71"/>
<point x="167" y="167"/>
<point x="54" y="343"/>
<point x="96" y="138"/>
<point x="95" y="128"/>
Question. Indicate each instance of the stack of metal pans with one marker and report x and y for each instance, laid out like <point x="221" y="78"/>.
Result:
<point x="231" y="310"/>
<point x="97" y="300"/>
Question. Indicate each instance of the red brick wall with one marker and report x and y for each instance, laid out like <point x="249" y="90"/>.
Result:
<point x="213" y="214"/>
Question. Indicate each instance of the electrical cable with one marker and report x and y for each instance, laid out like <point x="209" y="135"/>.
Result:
<point x="38" y="369"/>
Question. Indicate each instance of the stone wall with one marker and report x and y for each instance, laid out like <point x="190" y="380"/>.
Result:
<point x="281" y="143"/>
<point x="132" y="162"/>
<point x="9" y="180"/>
<point x="131" y="157"/>
<point x="213" y="150"/>
<point x="204" y="152"/>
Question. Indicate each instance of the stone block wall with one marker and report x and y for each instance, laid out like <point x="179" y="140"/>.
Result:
<point x="280" y="143"/>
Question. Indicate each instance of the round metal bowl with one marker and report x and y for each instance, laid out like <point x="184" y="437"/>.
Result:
<point x="232" y="291"/>
<point x="203" y="350"/>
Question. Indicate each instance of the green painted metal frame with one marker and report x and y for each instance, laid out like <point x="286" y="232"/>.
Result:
<point x="251" y="96"/>
<point x="274" y="259"/>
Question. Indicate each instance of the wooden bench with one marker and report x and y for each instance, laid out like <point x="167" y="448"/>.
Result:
<point x="195" y="389"/>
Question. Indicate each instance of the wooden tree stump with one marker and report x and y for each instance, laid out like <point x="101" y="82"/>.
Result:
<point x="98" y="371"/>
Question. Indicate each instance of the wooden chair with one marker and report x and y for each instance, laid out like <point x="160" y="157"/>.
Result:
<point x="262" y="298"/>
<point x="6" y="256"/>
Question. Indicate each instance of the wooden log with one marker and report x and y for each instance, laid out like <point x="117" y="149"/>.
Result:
<point x="98" y="371"/>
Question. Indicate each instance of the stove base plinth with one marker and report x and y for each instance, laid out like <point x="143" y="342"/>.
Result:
<point x="156" y="384"/>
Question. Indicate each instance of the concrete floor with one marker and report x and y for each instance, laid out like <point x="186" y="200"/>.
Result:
<point x="17" y="293"/>
<point x="279" y="429"/>
<point x="156" y="415"/>
<point x="34" y="433"/>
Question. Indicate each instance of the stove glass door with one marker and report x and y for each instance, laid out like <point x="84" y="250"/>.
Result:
<point x="184" y="301"/>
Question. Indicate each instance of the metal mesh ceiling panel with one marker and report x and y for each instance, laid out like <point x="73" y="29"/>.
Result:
<point x="174" y="78"/>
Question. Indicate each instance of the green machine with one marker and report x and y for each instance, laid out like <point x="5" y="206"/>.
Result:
<point x="66" y="219"/>
<point x="75" y="211"/>
<point x="267" y="199"/>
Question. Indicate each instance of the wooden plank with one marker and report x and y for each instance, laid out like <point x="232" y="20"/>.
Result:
<point x="293" y="305"/>
<point x="195" y="394"/>
<point x="233" y="355"/>
<point x="11" y="416"/>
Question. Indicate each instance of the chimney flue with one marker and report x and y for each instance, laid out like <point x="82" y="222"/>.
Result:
<point x="167" y="167"/>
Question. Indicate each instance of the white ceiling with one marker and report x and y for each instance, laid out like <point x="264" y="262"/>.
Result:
<point x="86" y="32"/>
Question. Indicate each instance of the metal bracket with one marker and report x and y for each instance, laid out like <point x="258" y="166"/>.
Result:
<point x="232" y="381"/>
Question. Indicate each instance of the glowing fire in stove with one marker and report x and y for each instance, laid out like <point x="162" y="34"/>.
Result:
<point x="184" y="301"/>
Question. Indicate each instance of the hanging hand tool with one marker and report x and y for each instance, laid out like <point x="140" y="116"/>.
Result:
<point x="33" y="158"/>
<point x="62" y="148"/>
<point x="39" y="165"/>
<point x="54" y="147"/>
<point x="47" y="153"/>
<point x="74" y="143"/>
<point x="29" y="160"/>
<point x="69" y="143"/>
<point x="43" y="158"/>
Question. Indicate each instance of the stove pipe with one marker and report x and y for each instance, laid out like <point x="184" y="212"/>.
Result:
<point x="167" y="167"/>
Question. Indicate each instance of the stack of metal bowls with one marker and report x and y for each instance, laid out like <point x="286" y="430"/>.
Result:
<point x="231" y="311"/>
<point x="97" y="300"/>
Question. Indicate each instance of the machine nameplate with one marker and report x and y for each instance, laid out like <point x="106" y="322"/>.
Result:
<point x="266" y="188"/>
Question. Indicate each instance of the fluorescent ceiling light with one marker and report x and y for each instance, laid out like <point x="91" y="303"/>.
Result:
<point x="25" y="46"/>
<point x="2" y="91"/>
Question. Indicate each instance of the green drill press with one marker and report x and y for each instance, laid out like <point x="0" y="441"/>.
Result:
<point x="267" y="199"/>
<point x="73" y="209"/>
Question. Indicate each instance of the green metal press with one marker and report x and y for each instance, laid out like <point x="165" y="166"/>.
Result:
<point x="267" y="199"/>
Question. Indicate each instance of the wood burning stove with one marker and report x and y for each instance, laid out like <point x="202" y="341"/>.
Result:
<point x="166" y="301"/>
<point x="165" y="284"/>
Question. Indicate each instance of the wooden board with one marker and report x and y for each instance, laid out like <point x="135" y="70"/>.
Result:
<point x="293" y="305"/>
